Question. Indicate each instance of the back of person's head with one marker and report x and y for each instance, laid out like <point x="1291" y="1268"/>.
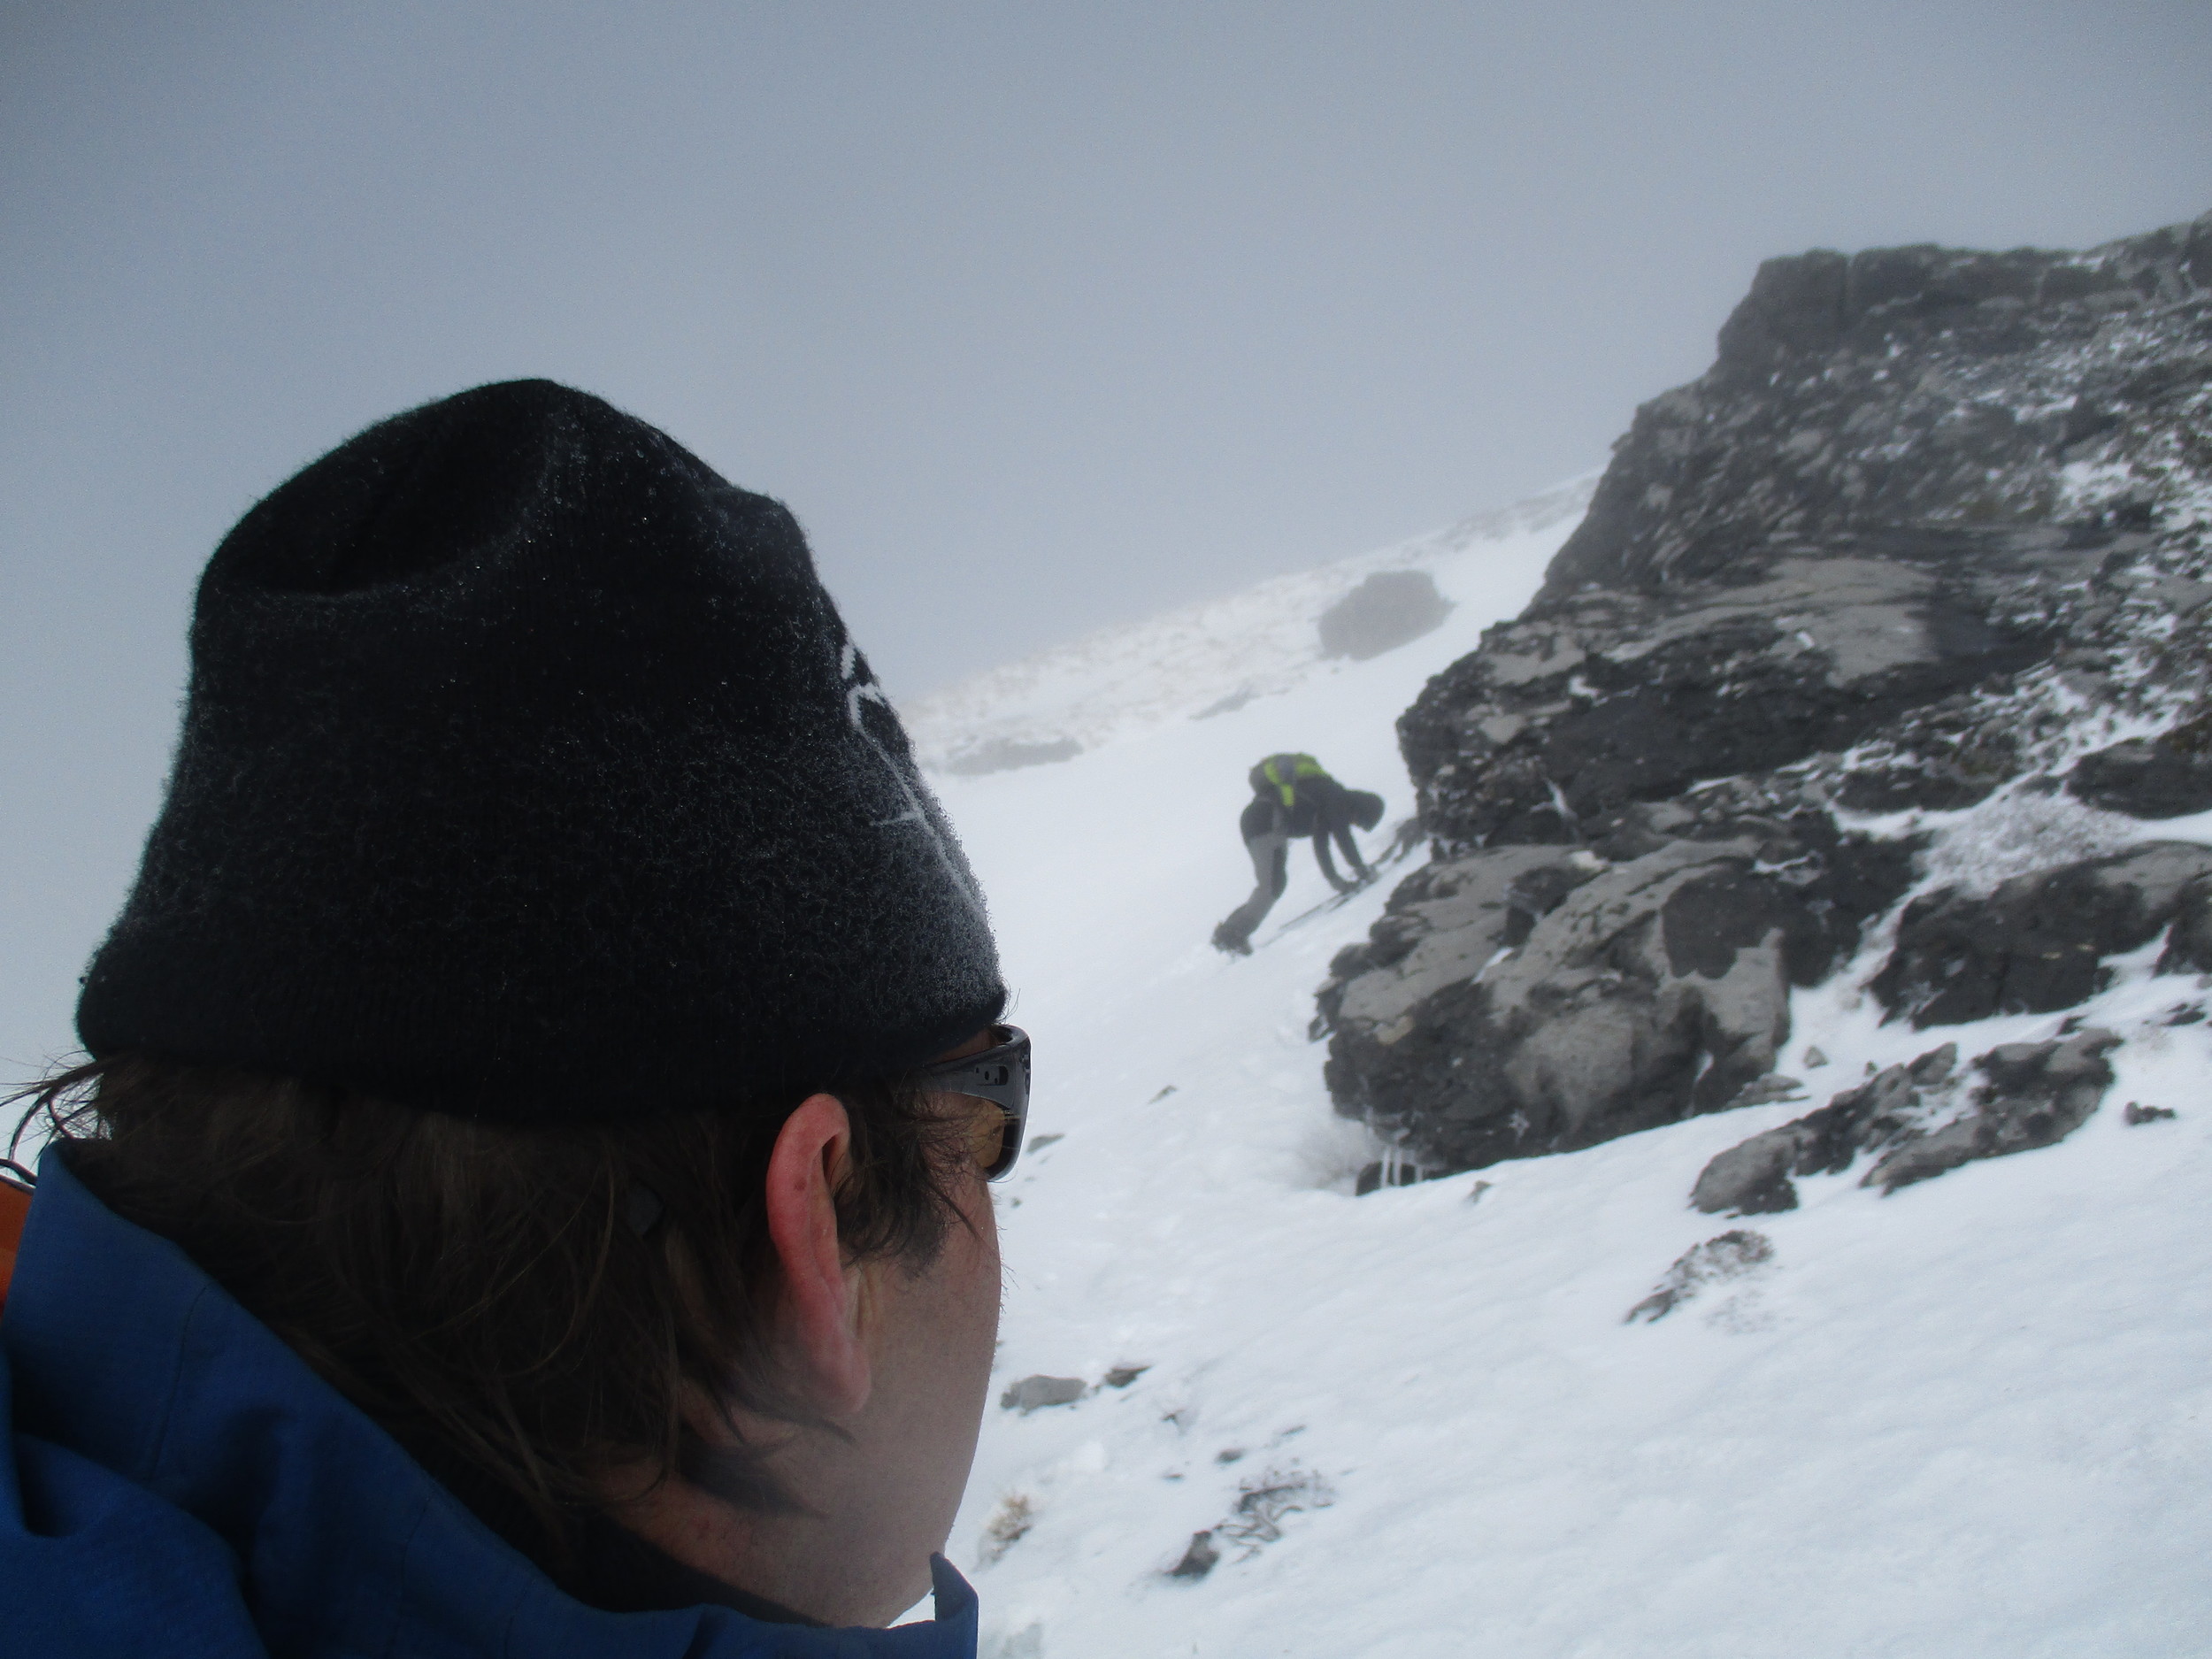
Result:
<point x="537" y="841"/>
<point x="529" y="1308"/>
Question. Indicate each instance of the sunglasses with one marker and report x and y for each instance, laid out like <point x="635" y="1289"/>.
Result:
<point x="1000" y="1075"/>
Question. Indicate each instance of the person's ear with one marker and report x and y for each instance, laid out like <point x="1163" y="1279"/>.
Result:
<point x="820" y="1310"/>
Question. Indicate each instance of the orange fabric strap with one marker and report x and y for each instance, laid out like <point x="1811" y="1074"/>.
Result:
<point x="15" y="1209"/>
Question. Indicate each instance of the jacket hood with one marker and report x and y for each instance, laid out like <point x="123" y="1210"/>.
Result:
<point x="179" y="1482"/>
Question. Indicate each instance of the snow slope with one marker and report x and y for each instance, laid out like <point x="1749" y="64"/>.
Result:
<point x="1974" y="1418"/>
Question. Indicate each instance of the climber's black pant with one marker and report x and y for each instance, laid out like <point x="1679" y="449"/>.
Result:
<point x="1269" y="849"/>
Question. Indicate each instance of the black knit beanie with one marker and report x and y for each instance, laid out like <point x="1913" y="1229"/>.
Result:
<point x="528" y="772"/>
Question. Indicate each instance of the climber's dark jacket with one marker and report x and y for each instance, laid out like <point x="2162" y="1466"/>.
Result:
<point x="177" y="1482"/>
<point x="1322" y="808"/>
<point x="1293" y="798"/>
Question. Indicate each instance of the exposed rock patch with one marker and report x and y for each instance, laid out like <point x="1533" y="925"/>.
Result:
<point x="1732" y="1255"/>
<point x="1389" y="608"/>
<point x="1199" y="1557"/>
<point x="1612" y="698"/>
<point x="2149" y="777"/>
<point x="1916" y="1121"/>
<point x="1753" y="1178"/>
<point x="1535" y="999"/>
<point x="2040" y="942"/>
<point x="2037" y="1094"/>
<point x="1033" y="1393"/>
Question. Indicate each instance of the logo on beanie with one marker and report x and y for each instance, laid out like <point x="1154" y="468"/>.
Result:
<point x="860" y="686"/>
<point x="871" y="712"/>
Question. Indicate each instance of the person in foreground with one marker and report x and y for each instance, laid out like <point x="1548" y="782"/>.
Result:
<point x="528" y="1195"/>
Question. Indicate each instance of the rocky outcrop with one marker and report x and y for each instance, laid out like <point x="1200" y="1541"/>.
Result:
<point x="1755" y="1178"/>
<point x="1892" y="485"/>
<point x="2041" y="942"/>
<point x="2037" y="1094"/>
<point x="1904" y="385"/>
<point x="1917" y="1121"/>
<point x="1929" y="517"/>
<point x="1533" y="999"/>
<point x="1610" y="698"/>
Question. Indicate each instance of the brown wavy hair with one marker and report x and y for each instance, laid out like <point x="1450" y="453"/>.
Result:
<point x="529" y="1310"/>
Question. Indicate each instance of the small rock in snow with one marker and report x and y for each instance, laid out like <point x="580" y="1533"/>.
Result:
<point x="1814" y="1057"/>
<point x="1730" y="1256"/>
<point x="1122" y="1376"/>
<point x="1198" y="1560"/>
<point x="2136" y="1114"/>
<point x="1033" y="1393"/>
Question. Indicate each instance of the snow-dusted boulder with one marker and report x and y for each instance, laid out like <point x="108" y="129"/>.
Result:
<point x="1917" y="1121"/>
<point x="2037" y="1093"/>
<point x="1535" y="999"/>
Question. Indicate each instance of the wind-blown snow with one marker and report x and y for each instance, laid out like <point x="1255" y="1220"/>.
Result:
<point x="1974" y="1418"/>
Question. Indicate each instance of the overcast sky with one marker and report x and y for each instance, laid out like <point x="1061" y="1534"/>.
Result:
<point x="1040" y="316"/>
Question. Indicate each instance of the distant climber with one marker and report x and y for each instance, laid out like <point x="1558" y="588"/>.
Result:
<point x="1292" y="796"/>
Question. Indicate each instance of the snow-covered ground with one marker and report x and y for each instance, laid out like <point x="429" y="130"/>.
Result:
<point x="1974" y="1418"/>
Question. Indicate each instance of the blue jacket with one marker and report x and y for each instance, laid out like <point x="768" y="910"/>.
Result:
<point x="177" y="1481"/>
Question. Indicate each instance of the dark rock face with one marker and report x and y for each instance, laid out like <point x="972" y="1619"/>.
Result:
<point x="2152" y="778"/>
<point x="1389" y="608"/>
<point x="1754" y="1178"/>
<point x="1907" y="1118"/>
<point x="2038" y="1093"/>
<point x="2039" y="942"/>
<point x="1610" y="698"/>
<point x="1928" y="514"/>
<point x="1898" y="386"/>
<point x="1536" y="999"/>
